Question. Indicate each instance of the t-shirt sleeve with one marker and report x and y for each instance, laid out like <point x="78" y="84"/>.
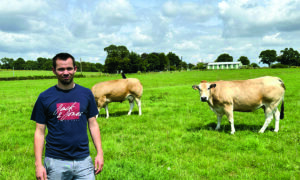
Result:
<point x="93" y="110"/>
<point x="38" y="112"/>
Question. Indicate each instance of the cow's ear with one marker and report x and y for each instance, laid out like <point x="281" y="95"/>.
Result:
<point x="212" y="86"/>
<point x="195" y="87"/>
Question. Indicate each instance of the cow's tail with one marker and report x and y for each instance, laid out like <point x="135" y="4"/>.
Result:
<point x="123" y="75"/>
<point x="282" y="103"/>
<point x="282" y="109"/>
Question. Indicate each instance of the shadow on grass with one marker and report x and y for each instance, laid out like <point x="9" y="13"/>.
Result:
<point x="117" y="114"/>
<point x="227" y="128"/>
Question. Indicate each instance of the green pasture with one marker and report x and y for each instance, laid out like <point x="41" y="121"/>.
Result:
<point x="175" y="136"/>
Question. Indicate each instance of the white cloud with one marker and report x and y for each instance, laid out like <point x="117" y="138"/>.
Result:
<point x="21" y="16"/>
<point x="188" y="10"/>
<point x="140" y="38"/>
<point x="273" y="39"/>
<point x="115" y="13"/>
<point x="23" y="7"/>
<point x="256" y="17"/>
<point x="187" y="46"/>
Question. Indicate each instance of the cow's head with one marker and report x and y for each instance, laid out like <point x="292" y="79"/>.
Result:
<point x="204" y="90"/>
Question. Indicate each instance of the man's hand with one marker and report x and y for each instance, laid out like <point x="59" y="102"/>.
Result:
<point x="40" y="173"/>
<point x="98" y="163"/>
<point x="95" y="133"/>
<point x="39" y="136"/>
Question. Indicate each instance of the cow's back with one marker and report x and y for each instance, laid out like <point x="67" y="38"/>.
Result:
<point x="106" y="88"/>
<point x="117" y="90"/>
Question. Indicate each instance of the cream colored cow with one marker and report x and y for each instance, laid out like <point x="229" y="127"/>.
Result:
<point x="224" y="97"/>
<point x="118" y="91"/>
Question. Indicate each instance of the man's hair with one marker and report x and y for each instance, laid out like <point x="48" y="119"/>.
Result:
<point x="62" y="56"/>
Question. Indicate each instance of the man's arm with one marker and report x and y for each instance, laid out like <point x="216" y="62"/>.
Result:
<point x="95" y="133"/>
<point x="39" y="140"/>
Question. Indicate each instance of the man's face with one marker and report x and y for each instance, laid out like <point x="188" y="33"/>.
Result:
<point x="65" y="71"/>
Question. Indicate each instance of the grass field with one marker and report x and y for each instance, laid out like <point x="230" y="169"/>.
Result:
<point x="173" y="139"/>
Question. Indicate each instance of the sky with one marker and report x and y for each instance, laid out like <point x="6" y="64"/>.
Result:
<point x="195" y="30"/>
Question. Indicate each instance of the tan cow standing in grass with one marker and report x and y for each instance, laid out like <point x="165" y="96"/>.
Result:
<point x="118" y="91"/>
<point x="224" y="97"/>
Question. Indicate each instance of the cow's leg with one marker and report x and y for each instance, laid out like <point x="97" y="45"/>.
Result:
<point x="106" y="110"/>
<point x="98" y="113"/>
<point x="131" y="107"/>
<point x="101" y="102"/>
<point x="268" y="117"/>
<point x="277" y="115"/>
<point x="229" y="114"/>
<point x="139" y="103"/>
<point x="131" y="102"/>
<point x="219" y="121"/>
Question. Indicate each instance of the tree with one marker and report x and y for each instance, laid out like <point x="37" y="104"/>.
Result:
<point x="111" y="64"/>
<point x="44" y="63"/>
<point x="117" y="51"/>
<point x="134" y="64"/>
<point x="99" y="67"/>
<point x="111" y="51"/>
<point x="268" y="57"/>
<point x="244" y="60"/>
<point x="31" y="65"/>
<point x="143" y="65"/>
<point x="224" y="58"/>
<point x="199" y="65"/>
<point x="117" y="58"/>
<point x="191" y="66"/>
<point x="19" y="64"/>
<point x="123" y="65"/>
<point x="164" y="62"/>
<point x="7" y="63"/>
<point x="153" y="62"/>
<point x="183" y="65"/>
<point x="174" y="60"/>
<point x="254" y="65"/>
<point x="122" y="52"/>
<point x="289" y="57"/>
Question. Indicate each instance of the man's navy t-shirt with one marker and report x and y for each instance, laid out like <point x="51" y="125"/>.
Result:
<point x="66" y="114"/>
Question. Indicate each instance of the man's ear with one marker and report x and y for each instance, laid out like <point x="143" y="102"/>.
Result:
<point x="195" y="87"/>
<point x="75" y="68"/>
<point x="53" y="70"/>
<point x="212" y="86"/>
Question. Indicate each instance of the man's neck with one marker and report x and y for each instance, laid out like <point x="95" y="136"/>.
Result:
<point x="65" y="87"/>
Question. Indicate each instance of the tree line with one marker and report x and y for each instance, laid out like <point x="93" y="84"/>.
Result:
<point x="288" y="57"/>
<point x="119" y="58"/>
<point x="44" y="64"/>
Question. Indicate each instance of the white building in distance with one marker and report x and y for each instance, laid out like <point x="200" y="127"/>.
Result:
<point x="224" y="65"/>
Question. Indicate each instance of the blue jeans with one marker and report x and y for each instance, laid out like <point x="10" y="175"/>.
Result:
<point x="58" y="169"/>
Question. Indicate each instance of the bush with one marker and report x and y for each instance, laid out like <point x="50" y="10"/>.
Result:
<point x="279" y="65"/>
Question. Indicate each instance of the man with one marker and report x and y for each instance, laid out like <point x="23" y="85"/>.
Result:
<point x="66" y="109"/>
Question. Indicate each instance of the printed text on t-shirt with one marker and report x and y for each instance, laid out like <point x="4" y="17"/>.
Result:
<point x="68" y="111"/>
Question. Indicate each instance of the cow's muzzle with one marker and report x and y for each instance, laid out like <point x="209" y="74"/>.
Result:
<point x="203" y="99"/>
